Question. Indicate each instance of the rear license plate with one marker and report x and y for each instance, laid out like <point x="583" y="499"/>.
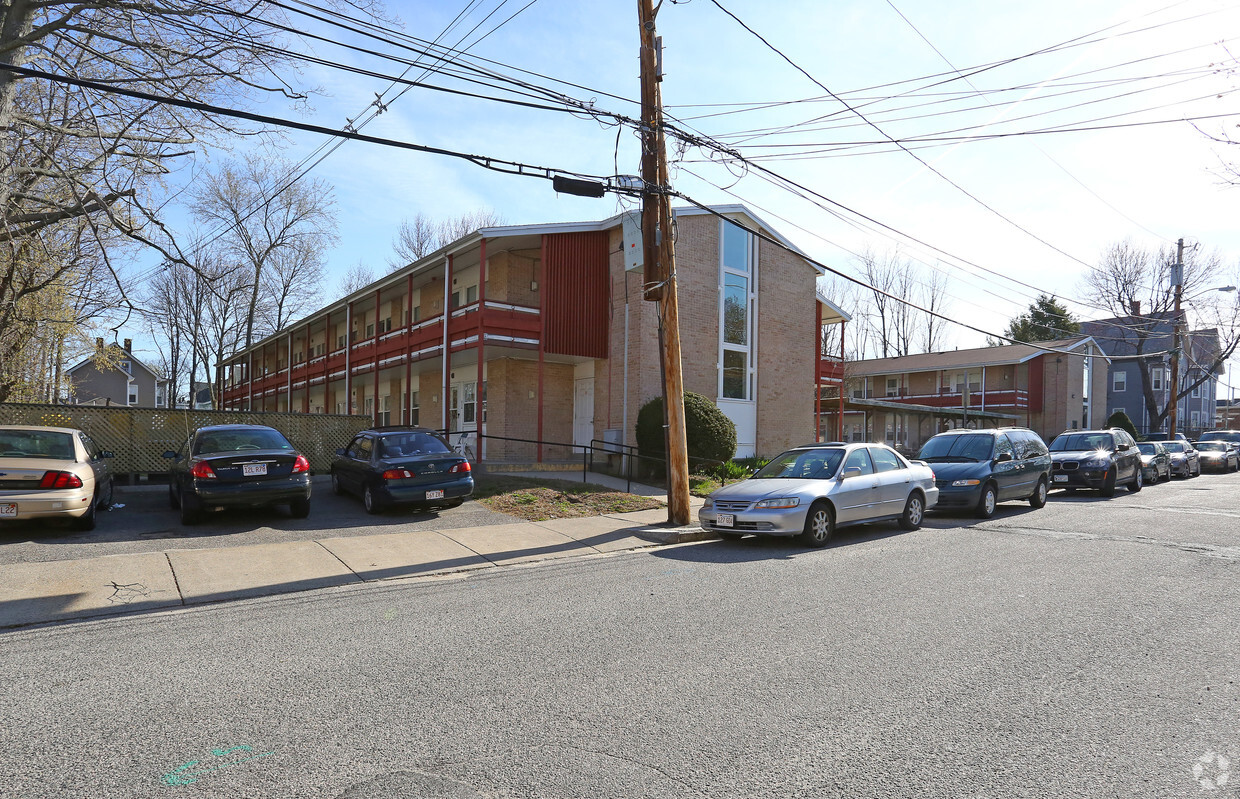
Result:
<point x="8" y="510"/>
<point x="1061" y="478"/>
<point x="434" y="495"/>
<point x="725" y="520"/>
<point x="253" y="469"/>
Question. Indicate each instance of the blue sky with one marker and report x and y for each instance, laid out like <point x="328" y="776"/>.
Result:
<point x="1078" y="191"/>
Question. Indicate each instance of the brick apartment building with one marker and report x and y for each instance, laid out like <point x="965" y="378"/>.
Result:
<point x="548" y="339"/>
<point x="904" y="401"/>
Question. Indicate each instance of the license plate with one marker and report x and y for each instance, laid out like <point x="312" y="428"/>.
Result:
<point x="725" y="520"/>
<point x="253" y="469"/>
<point x="434" y="495"/>
<point x="9" y="510"/>
<point x="1061" y="478"/>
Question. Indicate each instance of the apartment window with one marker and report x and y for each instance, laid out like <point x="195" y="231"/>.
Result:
<point x="340" y="342"/>
<point x="417" y="314"/>
<point x="1119" y="382"/>
<point x="736" y="312"/>
<point x="1196" y="392"/>
<point x="1156" y="379"/>
<point x="133" y="399"/>
<point x="385" y="411"/>
<point x="893" y="387"/>
<point x="1118" y="410"/>
<point x="413" y="408"/>
<point x="471" y="295"/>
<point x="386" y="325"/>
<point x="370" y="330"/>
<point x="1195" y="420"/>
<point x="370" y="406"/>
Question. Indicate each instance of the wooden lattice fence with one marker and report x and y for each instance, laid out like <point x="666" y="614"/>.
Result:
<point x="139" y="436"/>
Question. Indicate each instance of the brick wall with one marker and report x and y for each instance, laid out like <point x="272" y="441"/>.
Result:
<point x="786" y="350"/>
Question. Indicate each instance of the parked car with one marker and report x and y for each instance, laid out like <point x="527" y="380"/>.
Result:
<point x="1097" y="459"/>
<point x="813" y="490"/>
<point x="1221" y="435"/>
<point x="1218" y="456"/>
<point x="53" y="473"/>
<point x="402" y="465"/>
<point x="1184" y="459"/>
<point x="237" y="466"/>
<point x="1155" y="461"/>
<point x="978" y="469"/>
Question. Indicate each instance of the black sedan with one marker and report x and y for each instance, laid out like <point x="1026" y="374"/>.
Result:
<point x="1218" y="456"/>
<point x="237" y="466"/>
<point x="402" y="465"/>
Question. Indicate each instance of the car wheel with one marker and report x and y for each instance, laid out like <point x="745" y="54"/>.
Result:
<point x="914" y="510"/>
<point x="299" y="508"/>
<point x="1038" y="498"/>
<point x="370" y="501"/>
<point x="172" y="496"/>
<point x="986" y="504"/>
<point x="1108" y="484"/>
<point x="87" y="520"/>
<point x="1197" y="471"/>
<point x="337" y="488"/>
<point x="819" y="525"/>
<point x="188" y="514"/>
<point x="729" y="536"/>
<point x="1138" y="481"/>
<point x="109" y="495"/>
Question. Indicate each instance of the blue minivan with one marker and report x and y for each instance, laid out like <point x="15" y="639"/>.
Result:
<point x="977" y="469"/>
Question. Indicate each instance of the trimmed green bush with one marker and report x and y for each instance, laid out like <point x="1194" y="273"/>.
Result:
<point x="709" y="433"/>
<point x="1120" y="419"/>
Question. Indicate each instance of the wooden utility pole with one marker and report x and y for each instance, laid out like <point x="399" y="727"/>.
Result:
<point x="1177" y="279"/>
<point x="660" y="263"/>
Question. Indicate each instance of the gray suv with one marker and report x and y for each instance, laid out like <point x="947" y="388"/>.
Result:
<point x="1099" y="459"/>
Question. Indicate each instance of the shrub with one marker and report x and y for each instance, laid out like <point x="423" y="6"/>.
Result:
<point x="1120" y="419"/>
<point x="709" y="433"/>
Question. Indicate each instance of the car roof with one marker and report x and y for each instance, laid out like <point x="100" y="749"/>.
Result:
<point x="399" y="429"/>
<point x="213" y="427"/>
<point x="37" y="427"/>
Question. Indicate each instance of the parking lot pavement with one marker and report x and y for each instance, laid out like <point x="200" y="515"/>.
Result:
<point x="143" y="521"/>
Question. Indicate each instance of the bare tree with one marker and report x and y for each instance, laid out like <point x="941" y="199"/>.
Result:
<point x="422" y="235"/>
<point x="280" y="239"/>
<point x="889" y="321"/>
<point x="358" y="277"/>
<point x="1134" y="284"/>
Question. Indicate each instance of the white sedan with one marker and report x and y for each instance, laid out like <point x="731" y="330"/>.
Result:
<point x="813" y="490"/>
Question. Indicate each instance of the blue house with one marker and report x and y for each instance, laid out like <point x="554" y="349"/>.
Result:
<point x="1143" y="393"/>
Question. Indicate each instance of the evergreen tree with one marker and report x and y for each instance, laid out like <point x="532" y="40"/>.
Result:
<point x="1047" y="320"/>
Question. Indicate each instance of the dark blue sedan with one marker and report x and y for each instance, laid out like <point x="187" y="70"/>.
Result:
<point x="402" y="466"/>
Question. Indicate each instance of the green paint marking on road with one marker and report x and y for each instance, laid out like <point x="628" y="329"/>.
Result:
<point x="181" y="775"/>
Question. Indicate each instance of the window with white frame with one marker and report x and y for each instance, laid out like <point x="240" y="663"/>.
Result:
<point x="1156" y="379"/>
<point x="1195" y="420"/>
<point x="736" y="313"/>
<point x="1196" y="392"/>
<point x="1118" y="410"/>
<point x="1119" y="382"/>
<point x="893" y="387"/>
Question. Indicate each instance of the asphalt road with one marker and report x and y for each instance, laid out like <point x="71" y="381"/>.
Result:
<point x="143" y="521"/>
<point x="1084" y="650"/>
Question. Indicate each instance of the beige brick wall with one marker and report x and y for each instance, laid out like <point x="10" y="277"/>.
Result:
<point x="785" y="355"/>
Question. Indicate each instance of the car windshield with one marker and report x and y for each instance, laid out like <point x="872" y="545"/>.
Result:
<point x="803" y="463"/>
<point x="1173" y="446"/>
<point x="1146" y="449"/>
<point x="957" y="448"/>
<point x="403" y="445"/>
<point x="239" y="440"/>
<point x="1081" y="441"/>
<point x="1221" y="435"/>
<point x="1211" y="446"/>
<point x="36" y="444"/>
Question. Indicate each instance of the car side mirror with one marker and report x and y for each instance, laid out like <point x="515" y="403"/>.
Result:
<point x="170" y="454"/>
<point x="1004" y="457"/>
<point x="1122" y="448"/>
<point x="107" y="454"/>
<point x="851" y="471"/>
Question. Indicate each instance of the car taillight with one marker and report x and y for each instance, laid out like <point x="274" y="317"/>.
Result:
<point x="397" y="474"/>
<point x="463" y="466"/>
<point x="301" y="464"/>
<point x="202" y="470"/>
<point x="60" y="480"/>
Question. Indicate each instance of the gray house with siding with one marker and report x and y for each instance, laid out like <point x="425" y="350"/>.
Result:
<point x="1139" y="334"/>
<point x="129" y="383"/>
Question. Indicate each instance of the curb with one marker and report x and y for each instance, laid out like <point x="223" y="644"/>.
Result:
<point x="663" y="534"/>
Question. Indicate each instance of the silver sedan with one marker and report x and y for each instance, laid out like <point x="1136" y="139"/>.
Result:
<point x="813" y="490"/>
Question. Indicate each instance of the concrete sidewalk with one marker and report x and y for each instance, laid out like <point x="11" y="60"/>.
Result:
<point x="35" y="593"/>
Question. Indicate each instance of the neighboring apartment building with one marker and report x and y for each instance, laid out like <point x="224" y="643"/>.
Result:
<point x="130" y="383"/>
<point x="1126" y="391"/>
<point x="548" y="338"/>
<point x="904" y="401"/>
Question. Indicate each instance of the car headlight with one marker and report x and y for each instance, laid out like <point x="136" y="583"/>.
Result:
<point x="782" y="502"/>
<point x="1097" y="463"/>
<point x="708" y="504"/>
<point x="963" y="483"/>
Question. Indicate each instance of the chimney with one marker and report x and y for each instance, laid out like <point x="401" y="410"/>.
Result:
<point x="1135" y="307"/>
<point x="128" y="345"/>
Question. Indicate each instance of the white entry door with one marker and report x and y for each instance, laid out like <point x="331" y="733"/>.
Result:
<point x="583" y="404"/>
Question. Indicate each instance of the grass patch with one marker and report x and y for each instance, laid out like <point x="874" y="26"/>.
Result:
<point x="539" y="500"/>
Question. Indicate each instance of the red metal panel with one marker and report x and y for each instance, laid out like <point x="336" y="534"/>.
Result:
<point x="1036" y="368"/>
<point x="576" y="286"/>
